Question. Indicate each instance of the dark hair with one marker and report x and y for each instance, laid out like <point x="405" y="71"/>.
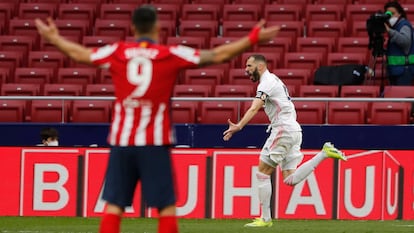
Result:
<point x="397" y="6"/>
<point x="258" y="57"/>
<point x="144" y="18"/>
<point x="49" y="132"/>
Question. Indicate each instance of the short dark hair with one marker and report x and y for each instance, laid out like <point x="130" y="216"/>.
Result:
<point x="259" y="57"/>
<point x="144" y="18"/>
<point x="397" y="6"/>
<point x="49" y="132"/>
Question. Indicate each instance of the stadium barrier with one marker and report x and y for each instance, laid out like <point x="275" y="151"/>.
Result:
<point x="211" y="183"/>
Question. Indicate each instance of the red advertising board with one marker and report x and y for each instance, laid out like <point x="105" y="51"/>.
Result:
<point x="49" y="182"/>
<point x="311" y="198"/>
<point x="9" y="181"/>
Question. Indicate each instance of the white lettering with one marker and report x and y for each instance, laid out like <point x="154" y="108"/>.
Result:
<point x="314" y="199"/>
<point x="368" y="205"/>
<point x="40" y="186"/>
<point x="391" y="207"/>
<point x="141" y="52"/>
<point x="191" y="201"/>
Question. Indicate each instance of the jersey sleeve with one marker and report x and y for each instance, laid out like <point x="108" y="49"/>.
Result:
<point x="102" y="56"/>
<point x="186" y="57"/>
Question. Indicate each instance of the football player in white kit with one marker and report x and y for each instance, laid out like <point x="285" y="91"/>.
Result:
<point x="283" y="145"/>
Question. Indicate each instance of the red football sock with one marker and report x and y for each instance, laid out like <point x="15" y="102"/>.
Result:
<point x="110" y="223"/>
<point x="167" y="224"/>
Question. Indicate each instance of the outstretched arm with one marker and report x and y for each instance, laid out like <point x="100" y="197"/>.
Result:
<point x="225" y="52"/>
<point x="75" y="51"/>
<point x="250" y="113"/>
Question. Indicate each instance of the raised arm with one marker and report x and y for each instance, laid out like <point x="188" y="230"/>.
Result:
<point x="75" y="51"/>
<point x="225" y="52"/>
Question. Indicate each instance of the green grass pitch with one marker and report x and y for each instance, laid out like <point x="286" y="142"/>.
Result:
<point x="146" y="225"/>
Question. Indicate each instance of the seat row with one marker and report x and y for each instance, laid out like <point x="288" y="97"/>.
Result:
<point x="208" y="112"/>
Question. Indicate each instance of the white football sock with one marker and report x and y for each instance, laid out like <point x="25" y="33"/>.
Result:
<point x="305" y="169"/>
<point x="265" y="193"/>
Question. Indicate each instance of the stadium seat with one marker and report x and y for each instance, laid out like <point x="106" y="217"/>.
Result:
<point x="294" y="77"/>
<point x="104" y="76"/>
<point x="200" y="12"/>
<point x="318" y="91"/>
<point x="331" y="29"/>
<point x="192" y="90"/>
<point x="45" y="45"/>
<point x="346" y="58"/>
<point x="291" y="29"/>
<point x="361" y="12"/>
<point x="49" y="111"/>
<point x="112" y="27"/>
<point x="136" y="2"/>
<point x="11" y="60"/>
<point x="58" y="89"/>
<point x="168" y="11"/>
<point x="33" y="75"/>
<point x="360" y="91"/>
<point x="91" y="111"/>
<point x="23" y="27"/>
<point x="399" y="92"/>
<point x="241" y="12"/>
<point x="121" y="11"/>
<point x="47" y="59"/>
<point x="237" y="28"/>
<point x="4" y="75"/>
<point x="81" y="76"/>
<point x="183" y="112"/>
<point x="7" y="10"/>
<point x="303" y="60"/>
<point x="389" y="113"/>
<point x="78" y="11"/>
<point x="17" y="43"/>
<point x="239" y="77"/>
<point x="281" y="45"/>
<point x="273" y="59"/>
<point x="219" y="3"/>
<point x="98" y="41"/>
<point x="324" y="12"/>
<point x="190" y="41"/>
<point x="298" y="2"/>
<point x="12" y="110"/>
<point x="99" y="90"/>
<point x="203" y="76"/>
<point x="259" y="118"/>
<point x="216" y="41"/>
<point x="322" y="45"/>
<point x="352" y="44"/>
<point x="371" y="1"/>
<point x="332" y="1"/>
<point x="34" y="10"/>
<point x="73" y="27"/>
<point x="282" y="12"/>
<point x="167" y="28"/>
<point x="20" y="89"/>
<point x="200" y="28"/>
<point x="310" y="112"/>
<point x="217" y="112"/>
<point x="358" y="29"/>
<point x="227" y="90"/>
<point x="347" y="112"/>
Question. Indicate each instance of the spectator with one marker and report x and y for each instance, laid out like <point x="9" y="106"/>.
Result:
<point x="49" y="137"/>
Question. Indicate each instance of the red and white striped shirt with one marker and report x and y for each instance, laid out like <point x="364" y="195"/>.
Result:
<point x="143" y="75"/>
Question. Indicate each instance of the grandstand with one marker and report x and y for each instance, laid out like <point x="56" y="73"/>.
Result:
<point x="314" y="33"/>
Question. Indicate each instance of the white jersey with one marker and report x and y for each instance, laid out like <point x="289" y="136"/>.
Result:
<point x="278" y="105"/>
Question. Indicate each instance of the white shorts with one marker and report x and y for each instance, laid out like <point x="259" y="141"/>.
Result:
<point x="284" y="147"/>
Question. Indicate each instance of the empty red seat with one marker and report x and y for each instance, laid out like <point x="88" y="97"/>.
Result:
<point x="12" y="110"/>
<point x="346" y="58"/>
<point x="98" y="41"/>
<point x="49" y="111"/>
<point x="259" y="118"/>
<point x="47" y="59"/>
<point x="358" y="29"/>
<point x="192" y="90"/>
<point x="20" y="89"/>
<point x="291" y="29"/>
<point x="217" y="112"/>
<point x="91" y="111"/>
<point x="389" y="113"/>
<point x="7" y="12"/>
<point x="33" y="10"/>
<point x="399" y="92"/>
<point x="347" y="112"/>
<point x="12" y="59"/>
<point x="227" y="90"/>
<point x="33" y="75"/>
<point x="183" y="112"/>
<point x="78" y="11"/>
<point x="303" y="60"/>
<point x="324" y="12"/>
<point x="239" y="77"/>
<point x="310" y="112"/>
<point x="117" y="11"/>
<point x="112" y="27"/>
<point x="99" y="90"/>
<point x="200" y="12"/>
<point x="361" y="12"/>
<point x="241" y="12"/>
<point x="199" y="28"/>
<point x="167" y="11"/>
<point x="237" y="28"/>
<point x="205" y="76"/>
<point x="322" y="45"/>
<point x="282" y="12"/>
<point x="318" y="91"/>
<point x="17" y="43"/>
<point x="4" y="75"/>
<point x="294" y="77"/>
<point x="360" y="91"/>
<point x="190" y="41"/>
<point x="59" y="89"/>
<point x="73" y="27"/>
<point x="331" y="29"/>
<point x="104" y="76"/>
<point x="81" y="76"/>
<point x="23" y="27"/>
<point x="352" y="44"/>
<point x="281" y="45"/>
<point x="167" y="28"/>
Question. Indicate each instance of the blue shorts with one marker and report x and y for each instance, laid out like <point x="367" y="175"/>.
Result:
<point x="149" y="164"/>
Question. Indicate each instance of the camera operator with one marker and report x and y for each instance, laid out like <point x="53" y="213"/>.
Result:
<point x="400" y="49"/>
